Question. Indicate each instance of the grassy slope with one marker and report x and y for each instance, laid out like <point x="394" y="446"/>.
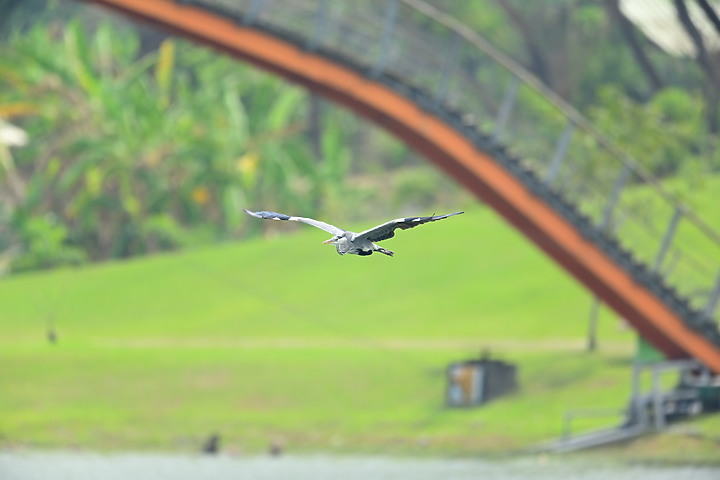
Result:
<point x="282" y="337"/>
<point x="470" y="277"/>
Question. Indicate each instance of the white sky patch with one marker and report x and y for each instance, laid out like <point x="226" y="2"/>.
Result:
<point x="659" y="22"/>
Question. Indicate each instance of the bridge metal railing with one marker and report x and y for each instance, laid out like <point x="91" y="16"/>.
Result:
<point x="452" y="71"/>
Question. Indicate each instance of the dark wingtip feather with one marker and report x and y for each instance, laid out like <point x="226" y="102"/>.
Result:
<point x="446" y="216"/>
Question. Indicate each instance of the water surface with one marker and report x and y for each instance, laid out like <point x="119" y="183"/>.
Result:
<point x="140" y="466"/>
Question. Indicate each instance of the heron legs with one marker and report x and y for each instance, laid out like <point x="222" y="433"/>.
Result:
<point x="385" y="251"/>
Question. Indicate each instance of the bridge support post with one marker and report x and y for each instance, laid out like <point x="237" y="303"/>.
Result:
<point x="658" y="410"/>
<point x="592" y="325"/>
<point x="614" y="197"/>
<point x="714" y="298"/>
<point x="506" y="107"/>
<point x="667" y="239"/>
<point x="637" y="414"/>
<point x="650" y="409"/>
<point x="560" y="152"/>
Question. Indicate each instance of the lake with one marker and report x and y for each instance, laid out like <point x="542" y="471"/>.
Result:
<point x="67" y="465"/>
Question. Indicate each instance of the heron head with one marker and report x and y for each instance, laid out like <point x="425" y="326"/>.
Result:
<point x="333" y="241"/>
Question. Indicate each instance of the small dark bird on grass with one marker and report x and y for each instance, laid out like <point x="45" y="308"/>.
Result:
<point x="362" y="243"/>
<point x="276" y="448"/>
<point x="212" y="444"/>
<point x="52" y="336"/>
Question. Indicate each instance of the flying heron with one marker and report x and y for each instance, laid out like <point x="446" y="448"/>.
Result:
<point x="357" y="243"/>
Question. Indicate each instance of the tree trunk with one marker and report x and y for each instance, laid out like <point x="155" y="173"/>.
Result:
<point x="628" y="32"/>
<point x="709" y="63"/>
<point x="548" y="57"/>
<point x="710" y="13"/>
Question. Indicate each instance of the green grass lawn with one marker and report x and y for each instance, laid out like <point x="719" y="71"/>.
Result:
<point x="469" y="277"/>
<point x="281" y="338"/>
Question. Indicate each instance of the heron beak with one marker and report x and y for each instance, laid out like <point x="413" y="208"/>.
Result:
<point x="328" y="241"/>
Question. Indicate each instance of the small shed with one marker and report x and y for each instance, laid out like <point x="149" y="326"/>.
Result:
<point x="475" y="382"/>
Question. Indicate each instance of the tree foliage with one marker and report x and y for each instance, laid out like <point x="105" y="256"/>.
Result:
<point x="131" y="155"/>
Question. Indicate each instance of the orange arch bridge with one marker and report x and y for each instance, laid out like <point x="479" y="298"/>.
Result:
<point x="472" y="159"/>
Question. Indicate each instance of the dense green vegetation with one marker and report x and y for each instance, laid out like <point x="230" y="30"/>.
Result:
<point x="281" y="337"/>
<point x="132" y="152"/>
<point x="156" y="150"/>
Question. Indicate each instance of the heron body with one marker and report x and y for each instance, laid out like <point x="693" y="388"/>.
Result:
<point x="363" y="243"/>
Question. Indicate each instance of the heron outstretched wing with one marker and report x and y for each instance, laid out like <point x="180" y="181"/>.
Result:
<point x="310" y="221"/>
<point x="387" y="230"/>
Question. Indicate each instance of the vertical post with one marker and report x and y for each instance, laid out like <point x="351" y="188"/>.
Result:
<point x="635" y="385"/>
<point x="658" y="412"/>
<point x="672" y="262"/>
<point x="714" y="298"/>
<point x="638" y="402"/>
<point x="667" y="238"/>
<point x="560" y="151"/>
<point x="592" y="325"/>
<point x="614" y="197"/>
<point x="321" y="20"/>
<point x="388" y="26"/>
<point x="506" y="107"/>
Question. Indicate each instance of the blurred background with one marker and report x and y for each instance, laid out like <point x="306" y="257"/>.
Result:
<point x="141" y="309"/>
